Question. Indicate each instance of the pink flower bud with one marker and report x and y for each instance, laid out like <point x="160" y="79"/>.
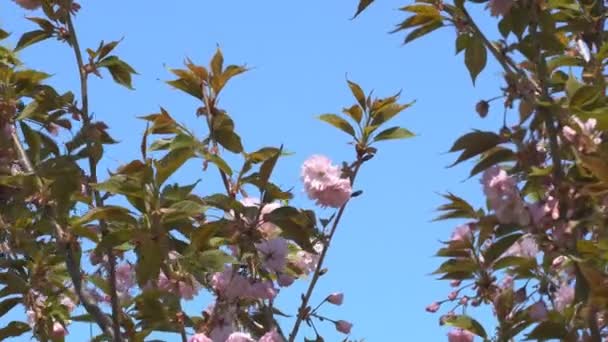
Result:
<point x="343" y="327"/>
<point x="464" y="300"/>
<point x="59" y="330"/>
<point x="433" y="307"/>
<point x="453" y="295"/>
<point x="336" y="298"/>
<point x="455" y="283"/>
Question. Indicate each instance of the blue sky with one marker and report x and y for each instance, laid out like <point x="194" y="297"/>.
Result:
<point x="301" y="53"/>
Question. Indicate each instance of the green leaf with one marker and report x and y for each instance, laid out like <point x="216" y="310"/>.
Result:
<point x="267" y="167"/>
<point x="499" y="247"/>
<point x="170" y="163"/>
<point x="423" y="30"/>
<point x="338" y="122"/>
<point x="363" y="4"/>
<point x="475" y="57"/>
<point x="358" y="94"/>
<point x="393" y="133"/>
<point x="263" y="154"/>
<point x="32" y="37"/>
<point x="119" y="70"/>
<point x="387" y="112"/>
<point x="474" y="143"/>
<point x="214" y="260"/>
<point x="295" y="225"/>
<point x="548" y="330"/>
<point x="13" y="329"/>
<point x="105" y="49"/>
<point x="217" y="62"/>
<point x="355" y="112"/>
<point x="7" y="304"/>
<point x="3" y="34"/>
<point x="494" y="157"/>
<point x="229" y="140"/>
<point x="109" y="213"/>
<point x="585" y="96"/>
<point x="148" y="261"/>
<point x="462" y="42"/>
<point x="467" y="323"/>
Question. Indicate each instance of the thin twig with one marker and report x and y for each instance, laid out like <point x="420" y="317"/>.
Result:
<point x="86" y="119"/>
<point x="305" y="300"/>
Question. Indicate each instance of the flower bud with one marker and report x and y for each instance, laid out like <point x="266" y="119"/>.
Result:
<point x="336" y="298"/>
<point x="482" y="107"/>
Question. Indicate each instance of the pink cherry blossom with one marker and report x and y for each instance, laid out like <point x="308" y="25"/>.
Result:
<point x="230" y="285"/>
<point x="186" y="289"/>
<point x="462" y="233"/>
<point x="271" y="336"/>
<point x="59" y="330"/>
<point x="68" y="303"/>
<point x="262" y="290"/>
<point x="285" y="280"/>
<point x="29" y="4"/>
<point x="273" y="254"/>
<point x="460" y="335"/>
<point x="222" y="330"/>
<point x="323" y="182"/>
<point x="336" y="298"/>
<point x="268" y="229"/>
<point x="586" y="138"/>
<point x="125" y="277"/>
<point x="504" y="198"/>
<point x="240" y="337"/>
<point x="538" y="311"/>
<point x="564" y="296"/>
<point x="306" y="261"/>
<point x="499" y="7"/>
<point x="525" y="247"/>
<point x="344" y="326"/>
<point x="199" y="338"/>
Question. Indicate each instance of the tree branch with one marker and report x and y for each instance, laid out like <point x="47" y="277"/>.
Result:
<point x="305" y="300"/>
<point x="86" y="119"/>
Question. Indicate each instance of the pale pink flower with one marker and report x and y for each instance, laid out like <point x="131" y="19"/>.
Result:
<point x="586" y="138"/>
<point x="323" y="182"/>
<point x="271" y="336"/>
<point x="462" y="233"/>
<point x="68" y="303"/>
<point x="285" y="280"/>
<point x="336" y="298"/>
<point x="230" y="285"/>
<point x="525" y="247"/>
<point x="274" y="254"/>
<point x="262" y="290"/>
<point x="564" y="296"/>
<point x="344" y="326"/>
<point x="305" y="261"/>
<point x="267" y="229"/>
<point x="503" y="197"/>
<point x="59" y="330"/>
<point x="460" y="335"/>
<point x="29" y="4"/>
<point x="182" y="288"/>
<point x="32" y="318"/>
<point x="240" y="337"/>
<point x="199" y="338"/>
<point x="499" y="7"/>
<point x="125" y="277"/>
<point x="222" y="329"/>
<point x="538" y="311"/>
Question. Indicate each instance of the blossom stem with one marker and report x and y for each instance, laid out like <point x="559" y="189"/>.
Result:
<point x="305" y="300"/>
<point x="86" y="119"/>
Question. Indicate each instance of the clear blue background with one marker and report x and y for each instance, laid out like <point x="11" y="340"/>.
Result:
<point x="301" y="53"/>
